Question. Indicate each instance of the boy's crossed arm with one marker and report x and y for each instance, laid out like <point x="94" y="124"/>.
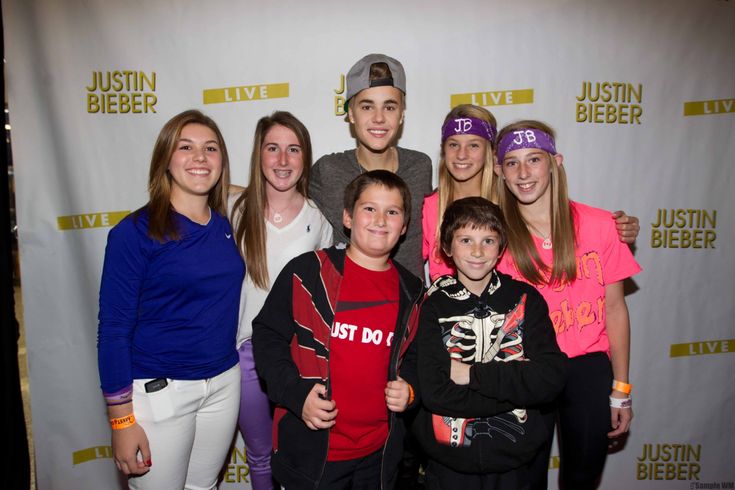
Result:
<point x="522" y="383"/>
<point x="459" y="372"/>
<point x="456" y="389"/>
<point x="439" y="393"/>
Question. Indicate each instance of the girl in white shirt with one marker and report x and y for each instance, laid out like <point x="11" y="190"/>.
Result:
<point x="274" y="221"/>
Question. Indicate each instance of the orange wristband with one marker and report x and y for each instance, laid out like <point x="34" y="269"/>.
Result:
<point x="122" y="422"/>
<point x="411" y="394"/>
<point x="622" y="387"/>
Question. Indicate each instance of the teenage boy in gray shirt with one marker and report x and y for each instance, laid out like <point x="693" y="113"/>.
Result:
<point x="376" y="91"/>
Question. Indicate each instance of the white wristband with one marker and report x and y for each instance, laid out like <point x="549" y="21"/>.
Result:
<point x="621" y="402"/>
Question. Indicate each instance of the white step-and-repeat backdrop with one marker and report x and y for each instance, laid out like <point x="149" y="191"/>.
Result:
<point x="642" y="94"/>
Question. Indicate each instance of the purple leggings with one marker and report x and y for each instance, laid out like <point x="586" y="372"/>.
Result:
<point x="255" y="421"/>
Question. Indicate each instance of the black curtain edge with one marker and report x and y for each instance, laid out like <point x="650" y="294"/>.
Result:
<point x="16" y="467"/>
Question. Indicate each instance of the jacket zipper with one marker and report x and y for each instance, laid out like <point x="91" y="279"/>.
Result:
<point x="411" y="304"/>
<point x="326" y="381"/>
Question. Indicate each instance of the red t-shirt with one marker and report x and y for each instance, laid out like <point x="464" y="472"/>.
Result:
<point x="359" y="353"/>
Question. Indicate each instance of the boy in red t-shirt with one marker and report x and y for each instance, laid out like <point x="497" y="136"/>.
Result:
<point x="330" y="342"/>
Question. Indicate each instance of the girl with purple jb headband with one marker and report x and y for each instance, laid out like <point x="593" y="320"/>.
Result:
<point x="468" y="125"/>
<point x="553" y="243"/>
<point x="525" y="138"/>
<point x="465" y="169"/>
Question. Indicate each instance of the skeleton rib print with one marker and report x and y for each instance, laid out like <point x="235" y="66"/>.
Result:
<point x="482" y="335"/>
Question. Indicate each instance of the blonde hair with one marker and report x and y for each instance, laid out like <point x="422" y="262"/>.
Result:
<point x="446" y="181"/>
<point x="520" y="243"/>
<point x="248" y="212"/>
<point x="161" y="224"/>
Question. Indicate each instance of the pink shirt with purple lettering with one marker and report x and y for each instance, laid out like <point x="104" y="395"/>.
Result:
<point x="577" y="310"/>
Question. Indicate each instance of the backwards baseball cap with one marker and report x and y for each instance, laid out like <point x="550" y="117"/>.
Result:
<point x="358" y="78"/>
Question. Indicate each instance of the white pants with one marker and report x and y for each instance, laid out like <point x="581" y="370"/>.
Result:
<point x="190" y="426"/>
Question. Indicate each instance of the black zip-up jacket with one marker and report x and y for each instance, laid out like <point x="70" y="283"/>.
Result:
<point x="490" y="425"/>
<point x="291" y="347"/>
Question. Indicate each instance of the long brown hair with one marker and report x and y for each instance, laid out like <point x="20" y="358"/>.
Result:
<point x="520" y="243"/>
<point x="446" y="181"/>
<point x="161" y="225"/>
<point x="248" y="212"/>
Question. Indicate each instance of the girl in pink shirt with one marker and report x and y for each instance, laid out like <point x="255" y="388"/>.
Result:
<point x="465" y="170"/>
<point x="572" y="254"/>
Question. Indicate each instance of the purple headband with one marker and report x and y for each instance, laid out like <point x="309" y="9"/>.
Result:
<point x="468" y="125"/>
<point x="525" y="138"/>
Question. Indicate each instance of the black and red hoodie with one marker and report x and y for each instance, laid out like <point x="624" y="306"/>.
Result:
<point x="291" y="347"/>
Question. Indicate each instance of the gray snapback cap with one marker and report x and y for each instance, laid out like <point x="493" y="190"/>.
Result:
<point x="358" y="78"/>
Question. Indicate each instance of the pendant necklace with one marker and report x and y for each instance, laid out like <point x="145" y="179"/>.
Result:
<point x="277" y="216"/>
<point x="546" y="244"/>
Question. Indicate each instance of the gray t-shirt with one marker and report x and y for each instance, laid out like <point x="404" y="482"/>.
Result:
<point x="330" y="176"/>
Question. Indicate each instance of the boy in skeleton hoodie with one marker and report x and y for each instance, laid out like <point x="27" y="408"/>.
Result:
<point x="487" y="357"/>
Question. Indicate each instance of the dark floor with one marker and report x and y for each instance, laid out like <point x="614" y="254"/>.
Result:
<point x="23" y="365"/>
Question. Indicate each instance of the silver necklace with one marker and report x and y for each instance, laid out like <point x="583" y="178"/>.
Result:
<point x="277" y="216"/>
<point x="546" y="244"/>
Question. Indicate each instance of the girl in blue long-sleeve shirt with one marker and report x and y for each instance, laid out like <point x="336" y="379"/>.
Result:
<point x="168" y="316"/>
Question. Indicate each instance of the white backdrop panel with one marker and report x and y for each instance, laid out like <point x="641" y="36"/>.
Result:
<point x="69" y="161"/>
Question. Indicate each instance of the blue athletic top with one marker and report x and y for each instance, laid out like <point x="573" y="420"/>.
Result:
<point x="168" y="310"/>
